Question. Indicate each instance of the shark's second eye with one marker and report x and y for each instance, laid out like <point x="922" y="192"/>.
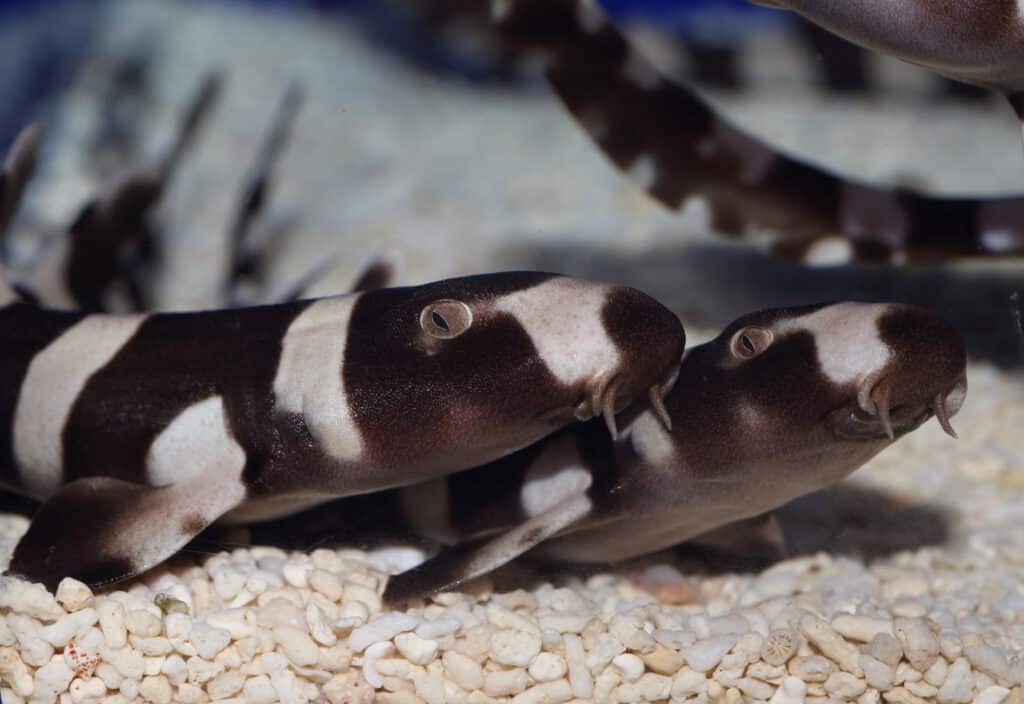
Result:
<point x="750" y="342"/>
<point x="446" y="319"/>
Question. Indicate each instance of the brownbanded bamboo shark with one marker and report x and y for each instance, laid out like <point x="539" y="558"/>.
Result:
<point x="782" y="403"/>
<point x="980" y="42"/>
<point x="677" y="148"/>
<point x="138" y="431"/>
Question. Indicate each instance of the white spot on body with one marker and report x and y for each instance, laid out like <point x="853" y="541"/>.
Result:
<point x="562" y="316"/>
<point x="847" y="339"/>
<point x="1001" y="239"/>
<point x="829" y="251"/>
<point x="309" y="379"/>
<point x="651" y="442"/>
<point x="640" y="72"/>
<point x="589" y="16"/>
<point x="557" y="474"/>
<point x="195" y="439"/>
<point x="643" y="172"/>
<point x="55" y="378"/>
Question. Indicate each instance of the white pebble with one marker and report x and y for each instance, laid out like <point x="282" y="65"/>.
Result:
<point x="382" y="628"/>
<point x="190" y="694"/>
<point x="142" y="623"/>
<point x="259" y="690"/>
<point x="992" y="695"/>
<point x="466" y="672"/>
<point x="831" y="644"/>
<point x="843" y="685"/>
<point x="579" y="676"/>
<point x="228" y="581"/>
<point x="602" y="650"/>
<point x="224" y="685"/>
<point x="861" y="628"/>
<point x="791" y="691"/>
<point x="629" y="666"/>
<point x="370" y="656"/>
<point x="156" y="689"/>
<point x="545" y="693"/>
<point x="959" y="685"/>
<point x="34" y="650"/>
<point x="754" y="689"/>
<point x="207" y="640"/>
<point x="547" y="667"/>
<point x="506" y="683"/>
<point x="129" y="689"/>
<point x="704" y="655"/>
<point x="27" y="598"/>
<point x="688" y="682"/>
<point x="112" y="623"/>
<point x="296" y="645"/>
<point x="90" y="689"/>
<point x="649" y="688"/>
<point x="65" y="628"/>
<point x="152" y="646"/>
<point x="175" y="669"/>
<point x="296" y="572"/>
<point x="15" y="672"/>
<point x="989" y="660"/>
<point x="321" y="630"/>
<point x="73" y="595"/>
<point x="202" y="671"/>
<point x="52" y="679"/>
<point x="516" y="648"/>
<point x="811" y="668"/>
<point x="419" y="651"/>
<point x="327" y="583"/>
<point x="877" y="673"/>
<point x="629" y="631"/>
<point x="920" y="645"/>
<point x="886" y="648"/>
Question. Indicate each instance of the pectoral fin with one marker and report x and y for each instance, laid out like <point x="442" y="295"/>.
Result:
<point x="461" y="563"/>
<point x="101" y="530"/>
<point x="760" y="537"/>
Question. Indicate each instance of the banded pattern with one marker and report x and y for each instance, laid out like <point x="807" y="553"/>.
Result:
<point x="781" y="403"/>
<point x="259" y="412"/>
<point x="677" y="148"/>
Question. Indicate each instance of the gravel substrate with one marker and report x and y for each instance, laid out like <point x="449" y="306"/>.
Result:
<point x="916" y="596"/>
<point x="262" y="625"/>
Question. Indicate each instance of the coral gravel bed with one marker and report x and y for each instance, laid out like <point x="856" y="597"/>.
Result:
<point x="259" y="624"/>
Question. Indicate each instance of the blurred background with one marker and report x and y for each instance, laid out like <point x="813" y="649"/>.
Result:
<point x="417" y="132"/>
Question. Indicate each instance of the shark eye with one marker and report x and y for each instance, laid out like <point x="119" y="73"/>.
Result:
<point x="749" y="342"/>
<point x="446" y="319"/>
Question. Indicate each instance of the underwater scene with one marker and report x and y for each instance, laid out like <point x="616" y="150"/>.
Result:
<point x="532" y="351"/>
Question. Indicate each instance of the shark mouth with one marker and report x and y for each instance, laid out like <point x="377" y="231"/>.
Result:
<point x="604" y="401"/>
<point x="874" y="416"/>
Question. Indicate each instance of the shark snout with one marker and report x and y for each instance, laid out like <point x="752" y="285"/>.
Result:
<point x="879" y="401"/>
<point x="924" y="376"/>
<point x="650" y="341"/>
